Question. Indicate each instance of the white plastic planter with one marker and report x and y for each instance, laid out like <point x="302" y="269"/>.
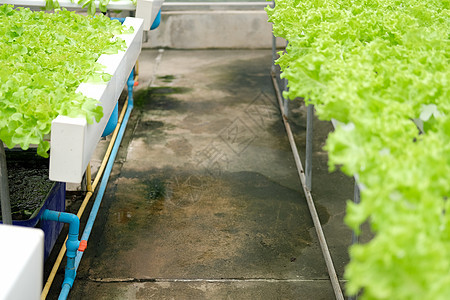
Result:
<point x="73" y="141"/>
<point x="22" y="261"/>
<point x="119" y="4"/>
<point x="147" y="10"/>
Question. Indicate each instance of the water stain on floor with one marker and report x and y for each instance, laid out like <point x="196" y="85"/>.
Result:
<point x="152" y="131"/>
<point x="166" y="78"/>
<point x="238" y="75"/>
<point x="159" y="98"/>
<point x="189" y="222"/>
<point x="180" y="146"/>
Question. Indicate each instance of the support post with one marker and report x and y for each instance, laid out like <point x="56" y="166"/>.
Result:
<point x="355" y="238"/>
<point x="274" y="53"/>
<point x="285" y="100"/>
<point x="356" y="200"/>
<point x="309" y="145"/>
<point x="4" y="188"/>
<point x="285" y="88"/>
<point x="274" y="48"/>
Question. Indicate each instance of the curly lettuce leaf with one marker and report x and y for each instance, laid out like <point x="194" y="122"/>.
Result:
<point x="44" y="59"/>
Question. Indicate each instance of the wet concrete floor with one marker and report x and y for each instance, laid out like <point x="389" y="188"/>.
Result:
<point x="204" y="201"/>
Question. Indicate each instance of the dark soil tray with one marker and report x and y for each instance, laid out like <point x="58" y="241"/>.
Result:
<point x="32" y="192"/>
<point x="28" y="181"/>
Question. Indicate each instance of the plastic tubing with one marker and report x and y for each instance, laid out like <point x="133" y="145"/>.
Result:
<point x="88" y="196"/>
<point x="98" y="200"/>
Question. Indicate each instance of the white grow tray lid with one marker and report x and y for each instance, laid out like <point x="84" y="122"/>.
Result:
<point x="145" y="9"/>
<point x="73" y="141"/>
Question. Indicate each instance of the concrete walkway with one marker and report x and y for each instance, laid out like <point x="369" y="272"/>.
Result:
<point x="205" y="201"/>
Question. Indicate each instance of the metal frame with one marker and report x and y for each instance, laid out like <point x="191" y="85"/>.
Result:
<point x="306" y="178"/>
<point x="309" y="145"/>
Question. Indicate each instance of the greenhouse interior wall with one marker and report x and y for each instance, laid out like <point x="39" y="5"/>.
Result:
<point x="209" y="25"/>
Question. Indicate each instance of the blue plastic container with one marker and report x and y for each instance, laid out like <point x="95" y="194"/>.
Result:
<point x="55" y="200"/>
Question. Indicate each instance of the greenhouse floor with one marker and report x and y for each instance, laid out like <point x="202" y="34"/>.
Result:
<point x="204" y="201"/>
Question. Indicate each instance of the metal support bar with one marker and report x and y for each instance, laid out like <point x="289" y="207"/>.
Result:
<point x="285" y="100"/>
<point x="309" y="143"/>
<point x="285" y="88"/>
<point x="274" y="53"/>
<point x="356" y="200"/>
<point x="312" y="209"/>
<point x="89" y="179"/>
<point x="355" y="237"/>
<point x="4" y="188"/>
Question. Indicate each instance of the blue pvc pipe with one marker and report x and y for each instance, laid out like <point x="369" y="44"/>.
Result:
<point x="104" y="182"/>
<point x="121" y="20"/>
<point x="64" y="291"/>
<point x="72" y="243"/>
<point x="155" y="23"/>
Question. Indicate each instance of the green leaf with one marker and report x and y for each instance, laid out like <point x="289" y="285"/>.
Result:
<point x="381" y="68"/>
<point x="44" y="58"/>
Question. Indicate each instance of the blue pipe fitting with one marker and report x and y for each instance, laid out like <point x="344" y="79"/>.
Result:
<point x="74" y="227"/>
<point x="157" y="21"/>
<point x="112" y="122"/>
<point x="72" y="243"/>
<point x="130" y="85"/>
<point x="121" y="20"/>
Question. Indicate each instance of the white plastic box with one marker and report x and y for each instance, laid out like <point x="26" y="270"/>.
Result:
<point x="21" y="262"/>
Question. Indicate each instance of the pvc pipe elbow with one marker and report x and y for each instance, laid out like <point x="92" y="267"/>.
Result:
<point x="73" y="221"/>
<point x="72" y="243"/>
<point x="58" y="216"/>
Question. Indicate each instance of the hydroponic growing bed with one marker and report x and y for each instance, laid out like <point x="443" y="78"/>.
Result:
<point x="65" y="87"/>
<point x="381" y="68"/>
<point x="145" y="9"/>
<point x="61" y="76"/>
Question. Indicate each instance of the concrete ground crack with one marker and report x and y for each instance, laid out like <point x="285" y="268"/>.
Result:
<point x="207" y="280"/>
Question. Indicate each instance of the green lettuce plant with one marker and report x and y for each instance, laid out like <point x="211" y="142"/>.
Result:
<point x="381" y="68"/>
<point x="90" y="5"/>
<point x="44" y="58"/>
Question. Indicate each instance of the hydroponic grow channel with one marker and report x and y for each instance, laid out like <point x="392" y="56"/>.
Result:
<point x="73" y="141"/>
